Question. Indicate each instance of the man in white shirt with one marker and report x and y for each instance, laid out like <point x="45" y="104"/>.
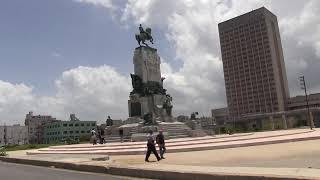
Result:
<point x="93" y="137"/>
<point x="151" y="147"/>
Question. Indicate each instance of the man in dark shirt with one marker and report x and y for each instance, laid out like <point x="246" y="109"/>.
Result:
<point x="102" y="136"/>
<point x="161" y="143"/>
<point x="121" y="134"/>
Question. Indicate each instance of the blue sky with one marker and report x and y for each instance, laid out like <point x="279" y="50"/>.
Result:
<point x="74" y="56"/>
<point x="42" y="38"/>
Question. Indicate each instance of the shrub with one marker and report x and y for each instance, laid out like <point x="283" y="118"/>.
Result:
<point x="3" y="152"/>
<point x="71" y="141"/>
<point x="31" y="146"/>
<point x="84" y="138"/>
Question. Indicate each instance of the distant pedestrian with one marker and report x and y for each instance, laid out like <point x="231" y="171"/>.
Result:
<point x="99" y="136"/>
<point x="93" y="137"/>
<point x="121" y="134"/>
<point x="161" y="143"/>
<point x="93" y="132"/>
<point x="102" y="136"/>
<point x="151" y="147"/>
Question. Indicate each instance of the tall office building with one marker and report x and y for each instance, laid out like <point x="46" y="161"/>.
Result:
<point x="253" y="64"/>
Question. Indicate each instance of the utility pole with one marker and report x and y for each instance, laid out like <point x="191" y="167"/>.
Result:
<point x="303" y="87"/>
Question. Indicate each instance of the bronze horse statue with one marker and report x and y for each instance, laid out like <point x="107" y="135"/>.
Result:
<point x="145" y="35"/>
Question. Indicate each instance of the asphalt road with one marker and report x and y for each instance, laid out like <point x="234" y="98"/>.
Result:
<point x="10" y="171"/>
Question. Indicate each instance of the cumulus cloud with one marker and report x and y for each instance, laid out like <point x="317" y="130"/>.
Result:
<point x="14" y="99"/>
<point x="300" y="30"/>
<point x="90" y="92"/>
<point x="94" y="92"/>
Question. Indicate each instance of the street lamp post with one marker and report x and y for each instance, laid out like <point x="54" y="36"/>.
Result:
<point x="303" y="87"/>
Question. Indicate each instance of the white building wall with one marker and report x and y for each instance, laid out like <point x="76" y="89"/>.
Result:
<point x="15" y="134"/>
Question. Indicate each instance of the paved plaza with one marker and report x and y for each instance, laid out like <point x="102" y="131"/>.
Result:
<point x="282" y="153"/>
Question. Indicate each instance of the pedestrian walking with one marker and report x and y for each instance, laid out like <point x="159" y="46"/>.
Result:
<point x="151" y="147"/>
<point x="93" y="137"/>
<point x="99" y="136"/>
<point x="161" y="143"/>
<point x="121" y="134"/>
<point x="102" y="136"/>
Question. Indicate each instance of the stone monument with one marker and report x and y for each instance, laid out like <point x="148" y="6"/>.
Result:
<point x="149" y="104"/>
<point x="148" y="100"/>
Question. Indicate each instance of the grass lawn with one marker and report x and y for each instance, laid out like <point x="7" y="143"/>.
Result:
<point x="27" y="146"/>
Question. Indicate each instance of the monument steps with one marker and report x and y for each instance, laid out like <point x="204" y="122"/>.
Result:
<point x="178" y="136"/>
<point x="116" y="138"/>
<point x="176" y="129"/>
<point x="188" y="144"/>
<point x="133" y="130"/>
<point x="168" y="142"/>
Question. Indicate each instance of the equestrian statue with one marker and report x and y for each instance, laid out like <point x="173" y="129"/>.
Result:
<point x="145" y="35"/>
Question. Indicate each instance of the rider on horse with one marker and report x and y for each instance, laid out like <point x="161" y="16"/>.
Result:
<point x="144" y="35"/>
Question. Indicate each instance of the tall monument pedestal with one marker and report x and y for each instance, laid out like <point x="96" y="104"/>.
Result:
<point x="148" y="98"/>
<point x="147" y="64"/>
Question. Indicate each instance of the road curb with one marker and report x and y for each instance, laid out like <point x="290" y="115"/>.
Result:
<point x="61" y="165"/>
<point x="147" y="173"/>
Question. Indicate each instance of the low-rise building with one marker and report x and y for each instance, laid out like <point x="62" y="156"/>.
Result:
<point x="299" y="102"/>
<point x="220" y="115"/>
<point x="36" y="126"/>
<point x="295" y="116"/>
<point x="298" y="107"/>
<point x="60" y="131"/>
<point x="15" y="134"/>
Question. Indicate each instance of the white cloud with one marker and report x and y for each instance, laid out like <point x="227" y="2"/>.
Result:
<point x="300" y="30"/>
<point x="94" y="92"/>
<point x="14" y="99"/>
<point x="304" y="26"/>
<point x="90" y="92"/>
<point x="104" y="3"/>
<point x="56" y="54"/>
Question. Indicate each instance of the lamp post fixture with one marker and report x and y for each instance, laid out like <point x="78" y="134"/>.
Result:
<point x="304" y="87"/>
